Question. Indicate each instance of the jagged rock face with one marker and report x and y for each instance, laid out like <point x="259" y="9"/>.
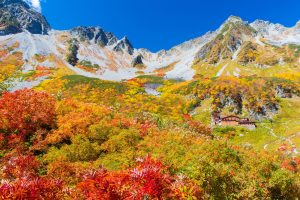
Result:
<point x="265" y="27"/>
<point x="98" y="36"/>
<point x="124" y="45"/>
<point x="16" y="16"/>
<point x="95" y="34"/>
<point x="111" y="38"/>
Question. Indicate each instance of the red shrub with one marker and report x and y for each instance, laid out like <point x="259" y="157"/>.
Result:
<point x="39" y="188"/>
<point x="19" y="166"/>
<point x="104" y="185"/>
<point x="23" y="112"/>
<point x="148" y="180"/>
<point x="292" y="164"/>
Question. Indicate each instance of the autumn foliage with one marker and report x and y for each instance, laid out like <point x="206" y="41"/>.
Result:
<point x="24" y="112"/>
<point x="149" y="179"/>
<point x="80" y="148"/>
<point x="36" y="188"/>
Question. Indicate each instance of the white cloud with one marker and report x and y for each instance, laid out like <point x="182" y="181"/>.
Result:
<point x="36" y="4"/>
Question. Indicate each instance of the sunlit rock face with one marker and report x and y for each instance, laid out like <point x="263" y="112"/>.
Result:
<point x="17" y="16"/>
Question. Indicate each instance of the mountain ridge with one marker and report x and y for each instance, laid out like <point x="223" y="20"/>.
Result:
<point x="100" y="54"/>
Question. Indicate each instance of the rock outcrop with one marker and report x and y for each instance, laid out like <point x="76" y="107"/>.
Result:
<point x="137" y="60"/>
<point x="124" y="45"/>
<point x="17" y="16"/>
<point x="98" y="36"/>
<point x="94" y="34"/>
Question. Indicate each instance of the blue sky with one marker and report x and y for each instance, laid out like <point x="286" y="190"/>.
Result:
<point x="161" y="24"/>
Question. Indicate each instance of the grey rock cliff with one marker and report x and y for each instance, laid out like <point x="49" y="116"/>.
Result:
<point x="94" y="34"/>
<point x="17" y="16"/>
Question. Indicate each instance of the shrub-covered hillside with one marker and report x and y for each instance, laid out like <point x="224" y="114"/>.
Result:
<point x="91" y="139"/>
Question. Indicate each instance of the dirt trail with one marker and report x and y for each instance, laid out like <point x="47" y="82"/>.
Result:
<point x="274" y="135"/>
<point x="287" y="138"/>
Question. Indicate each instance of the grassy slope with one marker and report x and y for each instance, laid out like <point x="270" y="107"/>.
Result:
<point x="285" y="124"/>
<point x="202" y="113"/>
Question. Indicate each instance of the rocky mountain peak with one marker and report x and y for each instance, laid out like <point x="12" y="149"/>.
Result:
<point x="17" y="16"/>
<point x="234" y="19"/>
<point x="235" y="26"/>
<point x="232" y="22"/>
<point x="126" y="40"/>
<point x="230" y="37"/>
<point x="124" y="45"/>
<point x="94" y="34"/>
<point x="85" y="33"/>
<point x="99" y="36"/>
